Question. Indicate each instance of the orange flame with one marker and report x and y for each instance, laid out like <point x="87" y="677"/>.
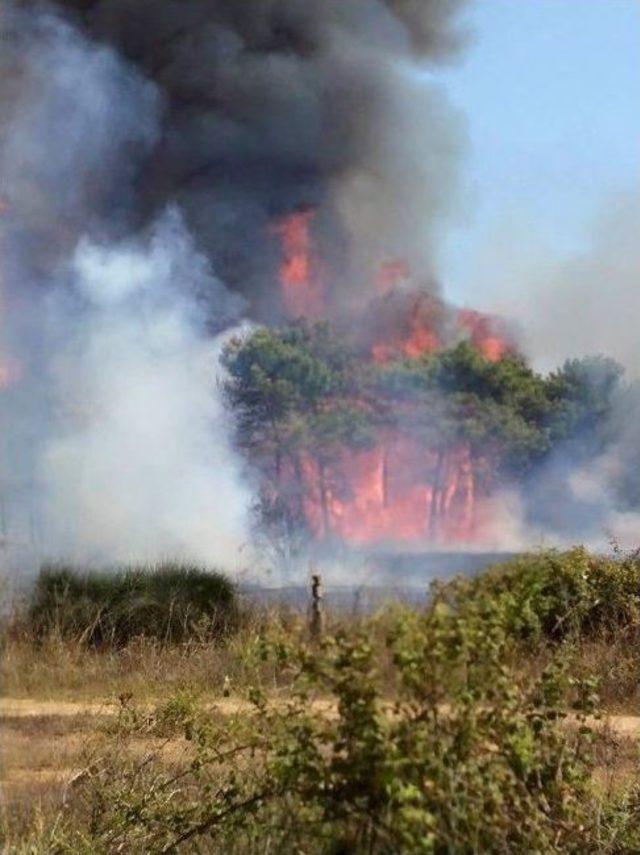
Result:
<point x="408" y="328"/>
<point x="396" y="490"/>
<point x="301" y="291"/>
<point x="483" y="335"/>
<point x="392" y="492"/>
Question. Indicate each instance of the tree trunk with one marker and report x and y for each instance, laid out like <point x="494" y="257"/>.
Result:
<point x="436" y="500"/>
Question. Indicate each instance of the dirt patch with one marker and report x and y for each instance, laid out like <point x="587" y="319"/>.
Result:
<point x="27" y="707"/>
<point x="44" y="744"/>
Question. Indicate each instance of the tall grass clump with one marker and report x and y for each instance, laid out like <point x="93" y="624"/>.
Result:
<point x="169" y="602"/>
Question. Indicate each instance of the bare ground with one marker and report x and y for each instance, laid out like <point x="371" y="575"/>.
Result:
<point x="45" y="744"/>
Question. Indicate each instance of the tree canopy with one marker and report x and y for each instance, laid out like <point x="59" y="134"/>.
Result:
<point x="305" y="390"/>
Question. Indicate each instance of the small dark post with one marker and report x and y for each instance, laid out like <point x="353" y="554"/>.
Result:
<point x="315" y="621"/>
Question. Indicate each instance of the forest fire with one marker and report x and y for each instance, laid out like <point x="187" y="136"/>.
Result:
<point x="395" y="490"/>
<point x="270" y="183"/>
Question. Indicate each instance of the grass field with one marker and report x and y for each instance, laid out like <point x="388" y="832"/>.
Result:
<point x="502" y="717"/>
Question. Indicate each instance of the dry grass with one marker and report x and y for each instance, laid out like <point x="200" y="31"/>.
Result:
<point x="51" y="750"/>
<point x="40" y="751"/>
<point x="146" y="669"/>
<point x="615" y="661"/>
<point x="617" y="753"/>
<point x="46" y="755"/>
<point x="63" y="701"/>
<point x="70" y="670"/>
<point x="40" y="756"/>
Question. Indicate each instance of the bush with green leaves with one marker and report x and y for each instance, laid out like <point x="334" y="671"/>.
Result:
<point x="169" y="602"/>
<point x="464" y="755"/>
<point x="556" y="595"/>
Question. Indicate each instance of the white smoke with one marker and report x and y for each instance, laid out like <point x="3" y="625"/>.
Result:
<point x="141" y="465"/>
<point x="116" y="444"/>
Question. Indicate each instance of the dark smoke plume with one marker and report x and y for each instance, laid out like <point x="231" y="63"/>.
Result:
<point x="274" y="105"/>
<point x="147" y="150"/>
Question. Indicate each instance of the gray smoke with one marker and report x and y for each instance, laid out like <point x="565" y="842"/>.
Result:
<point x="114" y="441"/>
<point x="572" y="304"/>
<point x="588" y="303"/>
<point x="572" y="307"/>
<point x="269" y="106"/>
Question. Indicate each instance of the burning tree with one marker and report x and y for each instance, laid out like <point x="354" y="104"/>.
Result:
<point x="411" y="448"/>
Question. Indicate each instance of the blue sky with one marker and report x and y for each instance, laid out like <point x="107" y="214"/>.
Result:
<point x="551" y="93"/>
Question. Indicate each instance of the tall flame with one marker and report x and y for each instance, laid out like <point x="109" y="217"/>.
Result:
<point x="301" y="288"/>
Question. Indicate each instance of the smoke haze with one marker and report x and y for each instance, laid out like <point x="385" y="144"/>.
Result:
<point x="114" y="442"/>
<point x="572" y="305"/>
<point x="587" y="304"/>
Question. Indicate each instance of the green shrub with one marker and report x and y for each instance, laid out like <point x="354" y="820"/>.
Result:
<point x="468" y="757"/>
<point x="556" y="595"/>
<point x="169" y="602"/>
